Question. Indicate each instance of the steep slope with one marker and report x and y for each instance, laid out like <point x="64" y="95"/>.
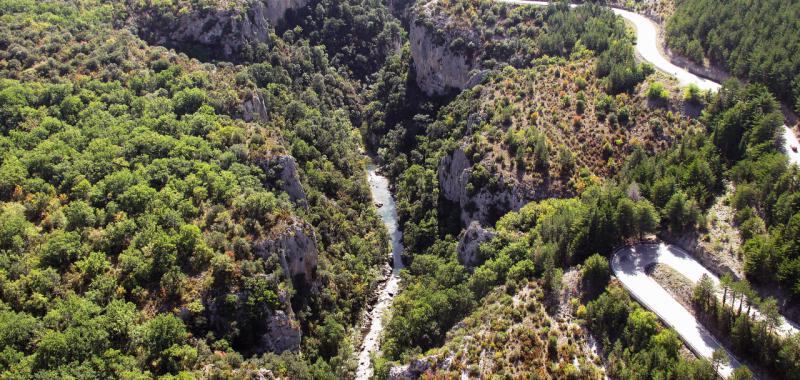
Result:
<point x="455" y="43"/>
<point x="509" y="335"/>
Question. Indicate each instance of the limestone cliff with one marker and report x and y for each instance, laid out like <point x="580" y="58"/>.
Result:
<point x="295" y="246"/>
<point x="484" y="203"/>
<point x="283" y="334"/>
<point x="401" y="9"/>
<point x="273" y="331"/>
<point x="281" y="171"/>
<point x="276" y="9"/>
<point x="219" y="30"/>
<point x="469" y="242"/>
<point x="439" y="68"/>
<point x="254" y="108"/>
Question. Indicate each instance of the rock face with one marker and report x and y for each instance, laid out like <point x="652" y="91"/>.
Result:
<point x="469" y="242"/>
<point x="438" y="68"/>
<point x="485" y="204"/>
<point x="276" y="9"/>
<point x="401" y="9"/>
<point x="254" y="108"/>
<point x="296" y="248"/>
<point x="277" y="331"/>
<point x="222" y="31"/>
<point x="418" y="367"/>
<point x="283" y="334"/>
<point x="282" y="170"/>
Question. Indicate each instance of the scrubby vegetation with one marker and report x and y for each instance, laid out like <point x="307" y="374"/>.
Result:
<point x="655" y="189"/>
<point x="497" y="35"/>
<point x="543" y="123"/>
<point x="513" y="335"/>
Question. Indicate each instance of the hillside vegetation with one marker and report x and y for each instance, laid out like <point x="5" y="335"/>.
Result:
<point x="515" y="35"/>
<point x="183" y="190"/>
<point x="146" y="229"/>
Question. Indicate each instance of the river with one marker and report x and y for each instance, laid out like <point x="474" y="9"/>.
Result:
<point x="387" y="209"/>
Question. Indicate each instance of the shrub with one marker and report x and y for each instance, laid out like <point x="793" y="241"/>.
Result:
<point x="657" y="92"/>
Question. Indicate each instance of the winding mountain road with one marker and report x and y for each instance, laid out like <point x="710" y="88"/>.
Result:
<point x="629" y="265"/>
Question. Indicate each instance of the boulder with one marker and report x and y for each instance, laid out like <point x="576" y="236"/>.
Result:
<point x="469" y="242"/>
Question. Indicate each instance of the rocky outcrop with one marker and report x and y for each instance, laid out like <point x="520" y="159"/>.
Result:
<point x="401" y="9"/>
<point x="469" y="242"/>
<point x="453" y="173"/>
<point x="438" y="68"/>
<point x="276" y="331"/>
<point x="295" y="246"/>
<point x="276" y="9"/>
<point x="281" y="171"/>
<point x="283" y="334"/>
<point x="485" y="204"/>
<point x="254" y="108"/>
<point x="418" y="367"/>
<point x="216" y="32"/>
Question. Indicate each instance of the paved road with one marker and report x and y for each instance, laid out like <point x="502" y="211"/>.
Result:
<point x="629" y="266"/>
<point x="379" y="187"/>
<point x="790" y="140"/>
<point x="649" y="49"/>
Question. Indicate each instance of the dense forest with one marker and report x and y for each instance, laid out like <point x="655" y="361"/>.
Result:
<point x="755" y="40"/>
<point x="139" y="208"/>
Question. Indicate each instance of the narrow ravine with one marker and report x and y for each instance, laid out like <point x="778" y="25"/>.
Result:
<point x="384" y="201"/>
<point x="627" y="265"/>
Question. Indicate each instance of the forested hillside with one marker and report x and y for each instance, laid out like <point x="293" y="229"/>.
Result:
<point x="756" y="40"/>
<point x="566" y="123"/>
<point x="147" y="229"/>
